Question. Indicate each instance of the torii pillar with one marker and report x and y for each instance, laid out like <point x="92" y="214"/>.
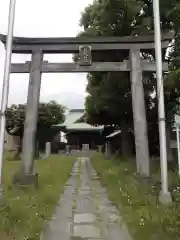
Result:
<point x="29" y="138"/>
<point x="139" y="115"/>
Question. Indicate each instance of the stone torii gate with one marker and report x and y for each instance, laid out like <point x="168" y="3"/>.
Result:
<point x="85" y="47"/>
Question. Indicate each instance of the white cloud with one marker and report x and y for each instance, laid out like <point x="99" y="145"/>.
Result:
<point x="45" y="18"/>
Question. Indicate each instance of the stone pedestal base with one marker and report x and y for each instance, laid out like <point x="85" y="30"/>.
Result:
<point x="143" y="179"/>
<point x="24" y="180"/>
<point x="165" y="198"/>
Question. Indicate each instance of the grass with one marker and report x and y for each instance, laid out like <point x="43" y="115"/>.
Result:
<point x="25" y="210"/>
<point x="138" y="203"/>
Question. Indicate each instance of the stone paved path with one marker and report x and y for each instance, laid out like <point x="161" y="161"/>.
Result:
<point x="84" y="211"/>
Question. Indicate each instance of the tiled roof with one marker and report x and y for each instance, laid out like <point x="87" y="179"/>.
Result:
<point x="114" y="134"/>
<point x="72" y="117"/>
<point x="83" y="127"/>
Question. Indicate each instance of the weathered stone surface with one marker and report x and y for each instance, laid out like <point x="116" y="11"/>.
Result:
<point x="86" y="231"/>
<point x="84" y="218"/>
<point x="95" y="178"/>
<point x="84" y="193"/>
<point x="64" y="210"/>
<point x="60" y="226"/>
<point x="117" y="233"/>
<point x="113" y="218"/>
<point x="86" y="214"/>
<point x="86" y="206"/>
<point x="71" y="181"/>
<point x="57" y="230"/>
<point x="30" y="123"/>
<point x="24" y="180"/>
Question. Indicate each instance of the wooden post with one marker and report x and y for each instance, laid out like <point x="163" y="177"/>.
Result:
<point x="30" y="126"/>
<point x="139" y="115"/>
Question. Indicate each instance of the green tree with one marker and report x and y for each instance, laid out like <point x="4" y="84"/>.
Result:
<point x="109" y="100"/>
<point x="109" y="95"/>
<point x="48" y="114"/>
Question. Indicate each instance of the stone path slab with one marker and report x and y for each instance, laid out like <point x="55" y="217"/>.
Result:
<point x="86" y="231"/>
<point x="84" y="218"/>
<point x="84" y="211"/>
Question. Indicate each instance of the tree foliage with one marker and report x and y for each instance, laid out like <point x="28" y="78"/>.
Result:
<point x="48" y="114"/>
<point x="109" y="94"/>
<point x="109" y="99"/>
